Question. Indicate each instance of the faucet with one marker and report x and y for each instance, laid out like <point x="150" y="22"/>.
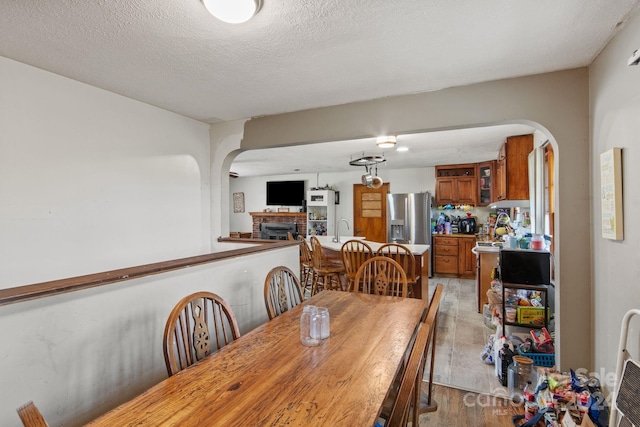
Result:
<point x="336" y="239"/>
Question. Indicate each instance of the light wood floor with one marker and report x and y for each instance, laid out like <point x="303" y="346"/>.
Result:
<point x="468" y="409"/>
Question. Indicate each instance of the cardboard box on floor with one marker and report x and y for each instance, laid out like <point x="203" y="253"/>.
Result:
<point x="567" y="421"/>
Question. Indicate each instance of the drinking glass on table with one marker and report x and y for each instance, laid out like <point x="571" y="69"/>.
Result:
<point x="310" y="326"/>
<point x="323" y="314"/>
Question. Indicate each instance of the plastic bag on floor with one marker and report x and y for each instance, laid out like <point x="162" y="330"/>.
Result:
<point x="486" y="355"/>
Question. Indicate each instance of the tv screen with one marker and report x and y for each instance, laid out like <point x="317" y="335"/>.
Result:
<point x="525" y="266"/>
<point x="285" y="193"/>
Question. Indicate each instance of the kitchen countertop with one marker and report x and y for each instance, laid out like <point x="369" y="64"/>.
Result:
<point x="327" y="242"/>
<point x="455" y="235"/>
<point x="479" y="249"/>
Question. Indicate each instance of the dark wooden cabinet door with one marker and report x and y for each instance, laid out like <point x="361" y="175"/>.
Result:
<point x="466" y="189"/>
<point x="446" y="191"/>
<point x="517" y="166"/>
<point x="486" y="183"/>
<point x="501" y="180"/>
<point x="467" y="260"/>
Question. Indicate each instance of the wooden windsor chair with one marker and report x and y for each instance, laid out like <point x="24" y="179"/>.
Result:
<point x="325" y="273"/>
<point x="354" y="252"/>
<point x="405" y="258"/>
<point x="381" y="276"/>
<point x="408" y="398"/>
<point x="282" y="291"/>
<point x="200" y="324"/>
<point x="427" y="404"/>
<point x="306" y="266"/>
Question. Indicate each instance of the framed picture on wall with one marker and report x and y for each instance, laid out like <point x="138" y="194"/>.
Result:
<point x="611" y="193"/>
<point x="238" y="202"/>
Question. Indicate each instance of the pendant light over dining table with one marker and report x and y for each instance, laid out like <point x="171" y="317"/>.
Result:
<point x="233" y="11"/>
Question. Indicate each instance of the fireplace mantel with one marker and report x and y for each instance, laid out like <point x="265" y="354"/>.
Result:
<point x="299" y="218"/>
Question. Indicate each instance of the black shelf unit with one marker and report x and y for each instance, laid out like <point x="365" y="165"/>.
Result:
<point x="543" y="289"/>
<point x="528" y="270"/>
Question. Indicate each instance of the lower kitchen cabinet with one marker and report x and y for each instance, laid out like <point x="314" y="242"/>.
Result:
<point x="487" y="262"/>
<point x="452" y="255"/>
<point x="467" y="260"/>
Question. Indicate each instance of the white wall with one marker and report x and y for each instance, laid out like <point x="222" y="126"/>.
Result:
<point x="79" y="355"/>
<point x="92" y="181"/>
<point x="225" y="139"/>
<point x="615" y="109"/>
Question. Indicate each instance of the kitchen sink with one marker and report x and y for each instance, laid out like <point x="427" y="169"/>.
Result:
<point x="489" y="244"/>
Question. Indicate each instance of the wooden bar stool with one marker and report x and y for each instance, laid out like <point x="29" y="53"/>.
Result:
<point x="306" y="267"/>
<point x="325" y="274"/>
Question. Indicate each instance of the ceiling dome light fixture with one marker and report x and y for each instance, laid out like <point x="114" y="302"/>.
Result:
<point x="386" y="141"/>
<point x="233" y="11"/>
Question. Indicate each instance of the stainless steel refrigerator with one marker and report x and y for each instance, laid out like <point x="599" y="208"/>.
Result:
<point x="409" y="220"/>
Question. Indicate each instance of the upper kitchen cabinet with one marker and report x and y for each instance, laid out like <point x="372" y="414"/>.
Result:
<point x="486" y="183"/>
<point x="512" y="169"/>
<point x="456" y="184"/>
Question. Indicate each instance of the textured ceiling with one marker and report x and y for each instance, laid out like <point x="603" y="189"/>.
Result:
<point x="295" y="55"/>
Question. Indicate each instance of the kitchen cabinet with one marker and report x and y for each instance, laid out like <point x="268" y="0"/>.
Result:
<point x="466" y="258"/>
<point x="445" y="255"/>
<point x="452" y="255"/>
<point x="321" y="212"/>
<point x="487" y="261"/>
<point x="486" y="183"/>
<point x="512" y="168"/>
<point x="456" y="184"/>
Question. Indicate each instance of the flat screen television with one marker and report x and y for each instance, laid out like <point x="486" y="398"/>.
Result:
<point x="285" y="193"/>
<point x="525" y="266"/>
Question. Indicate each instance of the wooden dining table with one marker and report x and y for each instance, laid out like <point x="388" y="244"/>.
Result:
<point x="268" y="378"/>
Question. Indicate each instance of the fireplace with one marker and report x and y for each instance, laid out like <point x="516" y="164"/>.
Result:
<point x="278" y="230"/>
<point x="298" y="219"/>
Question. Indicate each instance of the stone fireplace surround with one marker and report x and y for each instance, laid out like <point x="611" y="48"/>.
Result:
<point x="299" y="218"/>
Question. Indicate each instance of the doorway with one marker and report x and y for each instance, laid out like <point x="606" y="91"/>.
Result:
<point x="370" y="212"/>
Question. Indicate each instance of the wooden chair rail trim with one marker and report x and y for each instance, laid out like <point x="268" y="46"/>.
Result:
<point x="71" y="284"/>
